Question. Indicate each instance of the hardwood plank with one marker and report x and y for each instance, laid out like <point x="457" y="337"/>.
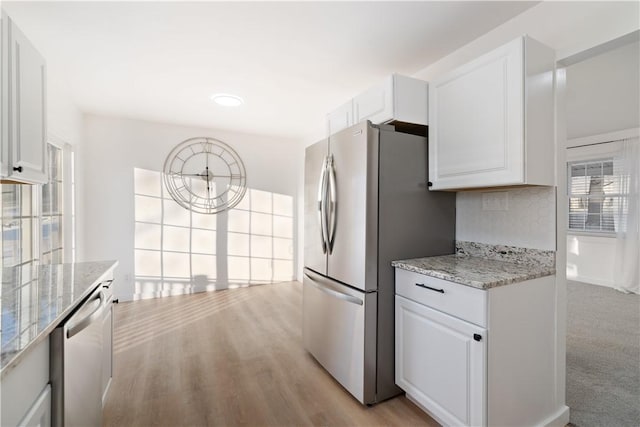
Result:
<point x="230" y="358"/>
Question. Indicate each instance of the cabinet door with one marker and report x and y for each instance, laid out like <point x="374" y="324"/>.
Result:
<point x="107" y="352"/>
<point x="340" y="118"/>
<point x="440" y="364"/>
<point x="28" y="110"/>
<point x="476" y="118"/>
<point x="4" y="95"/>
<point x="376" y="104"/>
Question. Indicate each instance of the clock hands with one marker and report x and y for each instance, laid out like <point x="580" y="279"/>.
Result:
<point x="207" y="169"/>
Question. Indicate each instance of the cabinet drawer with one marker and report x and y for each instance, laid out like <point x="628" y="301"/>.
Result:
<point x="461" y="301"/>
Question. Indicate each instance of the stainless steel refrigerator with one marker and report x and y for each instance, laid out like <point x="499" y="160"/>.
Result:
<point x="366" y="204"/>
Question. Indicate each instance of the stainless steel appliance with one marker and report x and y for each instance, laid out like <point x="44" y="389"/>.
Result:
<point x="78" y="362"/>
<point x="366" y="204"/>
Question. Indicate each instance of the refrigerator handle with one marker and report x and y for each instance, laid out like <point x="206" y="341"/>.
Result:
<point x="333" y="205"/>
<point x="318" y="285"/>
<point x="322" y="205"/>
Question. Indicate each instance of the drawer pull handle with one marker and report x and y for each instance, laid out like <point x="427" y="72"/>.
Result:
<point x="422" y="285"/>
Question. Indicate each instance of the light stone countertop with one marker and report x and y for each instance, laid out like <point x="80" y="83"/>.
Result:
<point x="35" y="299"/>
<point x="475" y="271"/>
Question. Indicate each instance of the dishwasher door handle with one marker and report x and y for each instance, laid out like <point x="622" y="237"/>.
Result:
<point x="84" y="323"/>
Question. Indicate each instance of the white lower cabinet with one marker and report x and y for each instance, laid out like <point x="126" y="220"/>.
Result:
<point x="474" y="357"/>
<point x="440" y="363"/>
<point x="25" y="392"/>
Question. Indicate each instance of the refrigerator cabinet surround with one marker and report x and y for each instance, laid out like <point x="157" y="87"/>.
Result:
<point x="334" y="319"/>
<point x="366" y="204"/>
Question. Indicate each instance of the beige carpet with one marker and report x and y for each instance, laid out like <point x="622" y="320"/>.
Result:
<point x="603" y="356"/>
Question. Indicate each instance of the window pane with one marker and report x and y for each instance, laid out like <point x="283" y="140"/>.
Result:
<point x="593" y="222"/>
<point x="203" y="241"/>
<point x="579" y="185"/>
<point x="147" y="182"/>
<point x="10" y="200"/>
<point x="148" y="236"/>
<point x="261" y="201"/>
<point x="147" y="263"/>
<point x="261" y="224"/>
<point x="261" y="247"/>
<point x="148" y="209"/>
<point x="176" y="265"/>
<point x="204" y="265"/>
<point x="46" y="199"/>
<point x="56" y="232"/>
<point x="238" y="269"/>
<point x="282" y="226"/>
<point x="282" y="205"/>
<point x="175" y="239"/>
<point x="174" y="214"/>
<point x="46" y="234"/>
<point x="239" y="221"/>
<point x="578" y="170"/>
<point x="11" y="242"/>
<point x="238" y="244"/>
<point x="56" y="196"/>
<point x="204" y="221"/>
<point x="26" y="240"/>
<point x="594" y="169"/>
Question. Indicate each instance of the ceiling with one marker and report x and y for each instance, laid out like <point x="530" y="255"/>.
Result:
<point x="292" y="62"/>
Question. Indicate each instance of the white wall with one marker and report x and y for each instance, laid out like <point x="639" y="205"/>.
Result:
<point x="590" y="259"/>
<point x="114" y="147"/>
<point x="603" y="92"/>
<point x="567" y="27"/>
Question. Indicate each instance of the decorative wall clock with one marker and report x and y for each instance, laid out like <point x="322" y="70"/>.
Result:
<point x="205" y="175"/>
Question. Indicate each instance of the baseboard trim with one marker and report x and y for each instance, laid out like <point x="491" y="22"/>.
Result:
<point x="591" y="281"/>
<point x="559" y="419"/>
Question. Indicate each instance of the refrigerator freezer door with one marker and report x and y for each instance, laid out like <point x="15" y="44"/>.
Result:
<point x="339" y="330"/>
<point x="354" y="214"/>
<point x="315" y="257"/>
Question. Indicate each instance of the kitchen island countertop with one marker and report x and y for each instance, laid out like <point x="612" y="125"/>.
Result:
<point x="35" y="299"/>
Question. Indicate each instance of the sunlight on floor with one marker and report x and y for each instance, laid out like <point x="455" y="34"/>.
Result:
<point x="149" y="322"/>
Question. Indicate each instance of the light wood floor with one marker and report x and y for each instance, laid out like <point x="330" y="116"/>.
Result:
<point x="228" y="358"/>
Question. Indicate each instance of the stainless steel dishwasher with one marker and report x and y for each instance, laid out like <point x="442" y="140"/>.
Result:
<point x="77" y="363"/>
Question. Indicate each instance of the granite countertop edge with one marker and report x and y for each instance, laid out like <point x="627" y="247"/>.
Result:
<point x="17" y="358"/>
<point x="529" y="272"/>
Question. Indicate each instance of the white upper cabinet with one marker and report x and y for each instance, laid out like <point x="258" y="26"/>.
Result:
<point x="4" y="96"/>
<point x="491" y="120"/>
<point x="24" y="130"/>
<point x="340" y="118"/>
<point x="396" y="99"/>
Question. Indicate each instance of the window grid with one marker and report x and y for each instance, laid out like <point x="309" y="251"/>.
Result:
<point x="52" y="209"/>
<point x="246" y="263"/>
<point x="597" y="198"/>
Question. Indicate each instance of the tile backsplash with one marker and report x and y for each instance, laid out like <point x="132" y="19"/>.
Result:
<point x="529" y="220"/>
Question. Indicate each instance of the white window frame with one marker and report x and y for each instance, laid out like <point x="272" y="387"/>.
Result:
<point x="593" y="147"/>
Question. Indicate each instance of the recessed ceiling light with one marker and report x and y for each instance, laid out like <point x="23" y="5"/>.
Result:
<point x="227" y="100"/>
